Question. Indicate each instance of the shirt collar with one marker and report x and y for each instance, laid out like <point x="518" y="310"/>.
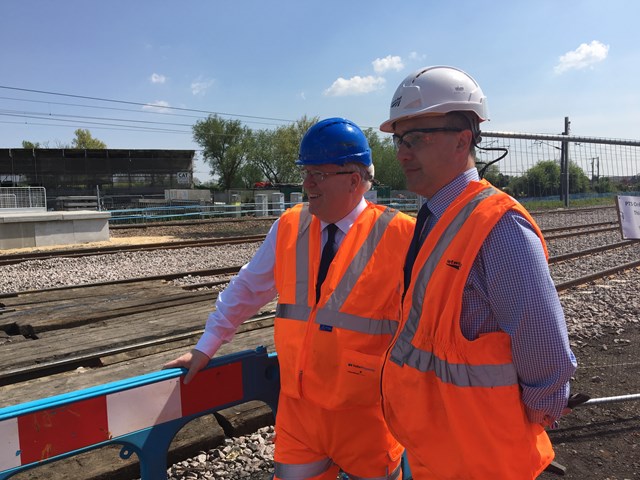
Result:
<point x="345" y="223"/>
<point x="447" y="194"/>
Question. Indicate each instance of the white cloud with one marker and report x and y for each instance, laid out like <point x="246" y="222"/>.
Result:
<point x="200" y="86"/>
<point x="158" y="78"/>
<point x="413" y="56"/>
<point x="355" y="86"/>
<point x="582" y="57"/>
<point x="381" y="65"/>
<point x="159" y="106"/>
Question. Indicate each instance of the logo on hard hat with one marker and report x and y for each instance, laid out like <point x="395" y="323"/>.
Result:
<point x="396" y="102"/>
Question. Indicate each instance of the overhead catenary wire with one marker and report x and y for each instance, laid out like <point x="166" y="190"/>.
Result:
<point x="153" y="109"/>
<point x="55" y="120"/>
<point x="142" y="104"/>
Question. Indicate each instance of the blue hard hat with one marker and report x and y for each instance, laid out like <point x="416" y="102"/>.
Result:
<point x="334" y="140"/>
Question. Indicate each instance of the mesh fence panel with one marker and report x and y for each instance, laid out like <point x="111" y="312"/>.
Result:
<point x="23" y="198"/>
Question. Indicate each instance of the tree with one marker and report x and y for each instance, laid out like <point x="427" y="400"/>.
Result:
<point x="578" y="181"/>
<point x="543" y="179"/>
<point x="31" y="145"/>
<point x="388" y="169"/>
<point x="225" y="144"/>
<point x="249" y="174"/>
<point x="86" y="141"/>
<point x="493" y="175"/>
<point x="274" y="152"/>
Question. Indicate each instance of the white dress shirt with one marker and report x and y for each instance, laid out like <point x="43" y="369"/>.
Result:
<point x="254" y="287"/>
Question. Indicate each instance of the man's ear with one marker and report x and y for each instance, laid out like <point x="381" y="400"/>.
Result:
<point x="464" y="140"/>
<point x="356" y="179"/>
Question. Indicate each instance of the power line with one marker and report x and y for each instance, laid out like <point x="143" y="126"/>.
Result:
<point x="52" y="115"/>
<point x="142" y="104"/>
<point x="132" y="127"/>
<point x="147" y="112"/>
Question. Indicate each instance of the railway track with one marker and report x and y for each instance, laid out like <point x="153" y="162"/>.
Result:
<point x="189" y="223"/>
<point x="12" y="259"/>
<point x="169" y="319"/>
<point x="75" y="360"/>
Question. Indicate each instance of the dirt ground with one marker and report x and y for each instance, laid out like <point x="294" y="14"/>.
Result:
<point x="602" y="441"/>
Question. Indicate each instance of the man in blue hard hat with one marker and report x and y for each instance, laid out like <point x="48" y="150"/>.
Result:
<point x="336" y="267"/>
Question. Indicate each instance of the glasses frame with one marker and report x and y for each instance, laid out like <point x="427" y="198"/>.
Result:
<point x="398" y="140"/>
<point x="318" y="177"/>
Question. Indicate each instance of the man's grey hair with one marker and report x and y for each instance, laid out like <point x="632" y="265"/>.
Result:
<point x="366" y="173"/>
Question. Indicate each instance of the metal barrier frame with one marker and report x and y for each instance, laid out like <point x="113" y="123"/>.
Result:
<point x="29" y="429"/>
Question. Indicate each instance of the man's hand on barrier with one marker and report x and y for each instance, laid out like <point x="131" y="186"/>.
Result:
<point x="194" y="361"/>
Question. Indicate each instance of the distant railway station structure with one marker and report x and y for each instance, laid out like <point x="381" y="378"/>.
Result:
<point x="65" y="172"/>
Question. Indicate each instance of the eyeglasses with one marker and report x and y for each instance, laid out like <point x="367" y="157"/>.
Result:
<point x="317" y="176"/>
<point x="417" y="136"/>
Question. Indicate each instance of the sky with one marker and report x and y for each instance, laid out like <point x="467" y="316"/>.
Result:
<point x="138" y="74"/>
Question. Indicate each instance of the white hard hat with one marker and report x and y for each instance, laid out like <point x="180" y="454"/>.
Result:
<point x="436" y="90"/>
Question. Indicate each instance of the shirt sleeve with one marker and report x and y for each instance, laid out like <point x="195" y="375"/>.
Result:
<point x="251" y="289"/>
<point x="524" y="300"/>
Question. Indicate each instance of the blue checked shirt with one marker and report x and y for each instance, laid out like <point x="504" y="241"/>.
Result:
<point x="510" y="289"/>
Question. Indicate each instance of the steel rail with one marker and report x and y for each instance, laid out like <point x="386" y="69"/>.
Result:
<point x="596" y="276"/>
<point x="85" y="252"/>
<point x="571" y="210"/>
<point x="576" y="227"/>
<point x="576" y="234"/>
<point x="590" y="251"/>
<point x="166" y="276"/>
<point x="186" y="223"/>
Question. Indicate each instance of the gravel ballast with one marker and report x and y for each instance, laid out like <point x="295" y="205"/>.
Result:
<point x="607" y="306"/>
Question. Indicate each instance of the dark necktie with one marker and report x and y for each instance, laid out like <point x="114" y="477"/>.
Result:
<point x="328" y="253"/>
<point x="416" y="242"/>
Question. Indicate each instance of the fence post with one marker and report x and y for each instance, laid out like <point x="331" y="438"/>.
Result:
<point x="564" y="165"/>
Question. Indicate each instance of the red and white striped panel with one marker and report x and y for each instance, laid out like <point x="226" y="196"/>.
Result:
<point x="43" y="434"/>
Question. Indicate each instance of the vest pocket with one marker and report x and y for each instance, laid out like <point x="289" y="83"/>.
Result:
<point x="288" y="336"/>
<point x="358" y="379"/>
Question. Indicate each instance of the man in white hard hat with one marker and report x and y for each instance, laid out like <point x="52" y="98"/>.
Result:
<point x="482" y="362"/>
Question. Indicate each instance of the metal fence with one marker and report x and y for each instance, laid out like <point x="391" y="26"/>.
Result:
<point x="569" y="169"/>
<point x="20" y="199"/>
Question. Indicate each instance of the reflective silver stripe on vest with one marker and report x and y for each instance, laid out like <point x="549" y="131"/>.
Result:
<point x="392" y="476"/>
<point x="302" y="471"/>
<point x="330" y="313"/>
<point x="356" y="323"/>
<point x="302" y="256"/>
<point x="463" y="375"/>
<point x="360" y="261"/>
<point x="293" y="312"/>
<point x="405" y="353"/>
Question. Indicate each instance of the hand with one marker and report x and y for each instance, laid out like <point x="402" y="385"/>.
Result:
<point x="194" y="361"/>
<point x="548" y="422"/>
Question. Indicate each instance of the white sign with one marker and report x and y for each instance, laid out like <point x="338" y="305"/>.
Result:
<point x="183" y="177"/>
<point x="629" y="212"/>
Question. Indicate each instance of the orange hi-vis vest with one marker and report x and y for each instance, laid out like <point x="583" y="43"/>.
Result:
<point x="455" y="404"/>
<point x="331" y="352"/>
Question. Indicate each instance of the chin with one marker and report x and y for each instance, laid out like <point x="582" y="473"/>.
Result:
<point x="313" y="209"/>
